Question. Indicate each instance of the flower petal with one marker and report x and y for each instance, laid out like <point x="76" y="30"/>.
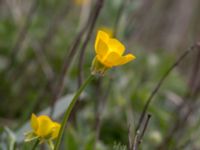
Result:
<point x="116" y="46"/>
<point x="34" y="122"/>
<point x="111" y="59"/>
<point x="55" y="130"/>
<point x="108" y="30"/>
<point x="125" y="59"/>
<point x="45" y="126"/>
<point x="101" y="46"/>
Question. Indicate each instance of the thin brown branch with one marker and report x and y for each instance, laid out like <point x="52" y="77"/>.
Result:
<point x="42" y="60"/>
<point x="189" y="103"/>
<point x="52" y="29"/>
<point x="195" y="70"/>
<point x="193" y="83"/>
<point x="178" y="126"/>
<point x="96" y="12"/>
<point x="135" y="143"/>
<point x="144" y="129"/>
<point x="67" y="62"/>
<point x="23" y="32"/>
<point x="69" y="57"/>
<point x="195" y="73"/>
<point x="182" y="121"/>
<point x="139" y="136"/>
<point x="39" y="48"/>
<point x="191" y="137"/>
<point x="153" y="93"/>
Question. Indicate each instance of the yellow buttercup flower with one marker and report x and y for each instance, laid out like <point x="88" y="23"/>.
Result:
<point x="109" y="53"/>
<point x="43" y="128"/>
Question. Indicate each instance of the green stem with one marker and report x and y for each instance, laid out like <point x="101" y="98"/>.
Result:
<point x="69" y="109"/>
<point x="36" y="144"/>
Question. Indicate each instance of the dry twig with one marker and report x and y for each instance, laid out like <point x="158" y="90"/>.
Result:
<point x="191" y="106"/>
<point x="153" y="93"/>
<point x="73" y="49"/>
<point x="139" y="136"/>
<point x="23" y="32"/>
<point x="96" y="12"/>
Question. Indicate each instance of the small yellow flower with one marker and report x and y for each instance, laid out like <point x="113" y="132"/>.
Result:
<point x="109" y="53"/>
<point x="43" y="128"/>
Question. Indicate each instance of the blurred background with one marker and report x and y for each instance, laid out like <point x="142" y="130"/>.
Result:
<point x="46" y="50"/>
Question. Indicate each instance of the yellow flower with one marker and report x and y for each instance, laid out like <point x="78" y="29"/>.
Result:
<point x="109" y="53"/>
<point x="107" y="30"/>
<point x="44" y="127"/>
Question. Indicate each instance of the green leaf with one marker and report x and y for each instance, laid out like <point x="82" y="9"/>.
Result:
<point x="11" y="138"/>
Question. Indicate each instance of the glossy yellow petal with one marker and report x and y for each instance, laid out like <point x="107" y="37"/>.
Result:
<point x="116" y="46"/>
<point x="109" y="31"/>
<point x="55" y="130"/>
<point x="34" y="122"/>
<point x="45" y="126"/>
<point x="125" y="59"/>
<point x="101" y="46"/>
<point x="109" y="53"/>
<point x="111" y="59"/>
